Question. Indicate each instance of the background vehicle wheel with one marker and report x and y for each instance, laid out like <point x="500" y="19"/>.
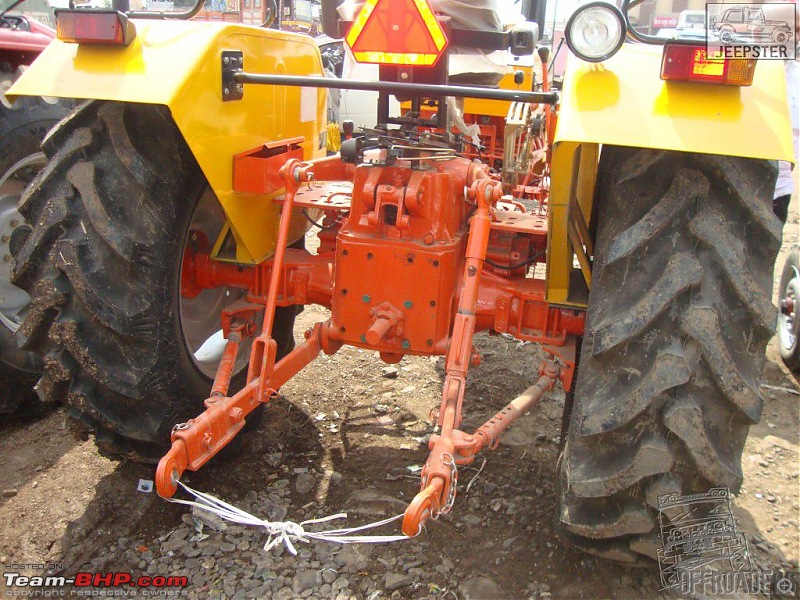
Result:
<point x="780" y="36"/>
<point x="788" y="328"/>
<point x="678" y="320"/>
<point x="23" y="126"/>
<point x="115" y="209"/>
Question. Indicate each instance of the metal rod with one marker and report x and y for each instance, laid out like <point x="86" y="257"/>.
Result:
<point x="226" y="365"/>
<point x="494" y="427"/>
<point x="402" y="89"/>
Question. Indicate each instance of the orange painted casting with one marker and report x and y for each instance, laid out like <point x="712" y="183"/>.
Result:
<point x="414" y="258"/>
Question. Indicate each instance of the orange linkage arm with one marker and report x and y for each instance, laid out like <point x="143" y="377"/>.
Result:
<point x="195" y="442"/>
<point x="439" y="474"/>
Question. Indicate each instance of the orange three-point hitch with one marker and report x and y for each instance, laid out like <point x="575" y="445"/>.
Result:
<point x="408" y="264"/>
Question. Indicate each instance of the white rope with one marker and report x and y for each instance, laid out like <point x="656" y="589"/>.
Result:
<point x="289" y="532"/>
<point x="779" y="388"/>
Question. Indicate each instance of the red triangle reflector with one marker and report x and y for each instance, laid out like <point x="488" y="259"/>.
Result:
<point x="396" y="32"/>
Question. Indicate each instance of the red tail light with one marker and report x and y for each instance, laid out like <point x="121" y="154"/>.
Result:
<point x="686" y="62"/>
<point x="94" y="27"/>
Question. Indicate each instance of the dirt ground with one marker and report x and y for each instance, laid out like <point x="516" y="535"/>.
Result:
<point x="361" y="435"/>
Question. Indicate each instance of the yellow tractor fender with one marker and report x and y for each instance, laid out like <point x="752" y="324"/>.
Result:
<point x="179" y="64"/>
<point x="624" y="102"/>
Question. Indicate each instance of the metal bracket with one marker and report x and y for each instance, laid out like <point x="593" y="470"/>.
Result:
<point x="232" y="63"/>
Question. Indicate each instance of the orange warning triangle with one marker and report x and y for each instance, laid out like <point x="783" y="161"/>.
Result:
<point x="396" y="32"/>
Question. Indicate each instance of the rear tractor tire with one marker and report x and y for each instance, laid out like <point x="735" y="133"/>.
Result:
<point x="23" y="126"/>
<point x="678" y="320"/>
<point x="114" y="209"/>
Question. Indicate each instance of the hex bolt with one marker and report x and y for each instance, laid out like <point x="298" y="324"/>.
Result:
<point x="236" y="414"/>
<point x="225" y="60"/>
<point x="226" y="91"/>
<point x="472" y="271"/>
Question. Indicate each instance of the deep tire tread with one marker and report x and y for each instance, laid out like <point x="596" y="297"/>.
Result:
<point x="101" y="268"/>
<point x="678" y="320"/>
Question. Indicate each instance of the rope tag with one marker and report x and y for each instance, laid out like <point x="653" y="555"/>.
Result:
<point x="289" y="532"/>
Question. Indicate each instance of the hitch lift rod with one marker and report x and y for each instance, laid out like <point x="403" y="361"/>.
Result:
<point x="404" y="89"/>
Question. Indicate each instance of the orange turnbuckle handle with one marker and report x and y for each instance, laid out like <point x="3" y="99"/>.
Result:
<point x="222" y="381"/>
<point x="488" y="433"/>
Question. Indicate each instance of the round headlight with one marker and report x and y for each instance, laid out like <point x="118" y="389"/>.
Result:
<point x="595" y="31"/>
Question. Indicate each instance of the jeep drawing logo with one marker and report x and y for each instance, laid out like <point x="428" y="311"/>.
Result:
<point x="752" y="31"/>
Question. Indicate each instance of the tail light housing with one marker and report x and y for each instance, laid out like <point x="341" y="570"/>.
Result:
<point x="697" y="62"/>
<point x="94" y="27"/>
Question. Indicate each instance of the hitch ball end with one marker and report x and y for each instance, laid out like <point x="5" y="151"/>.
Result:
<point x="168" y="473"/>
<point x="422" y="507"/>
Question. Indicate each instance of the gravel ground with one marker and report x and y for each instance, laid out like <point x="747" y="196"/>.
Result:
<point x="350" y="434"/>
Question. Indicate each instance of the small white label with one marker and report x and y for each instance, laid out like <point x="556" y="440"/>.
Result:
<point x="308" y="104"/>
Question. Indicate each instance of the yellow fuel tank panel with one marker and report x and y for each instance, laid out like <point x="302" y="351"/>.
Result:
<point x="178" y="64"/>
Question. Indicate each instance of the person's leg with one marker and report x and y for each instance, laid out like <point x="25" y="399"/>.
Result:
<point x="780" y="206"/>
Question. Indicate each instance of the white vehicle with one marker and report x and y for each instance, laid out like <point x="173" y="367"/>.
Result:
<point x="691" y="19"/>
